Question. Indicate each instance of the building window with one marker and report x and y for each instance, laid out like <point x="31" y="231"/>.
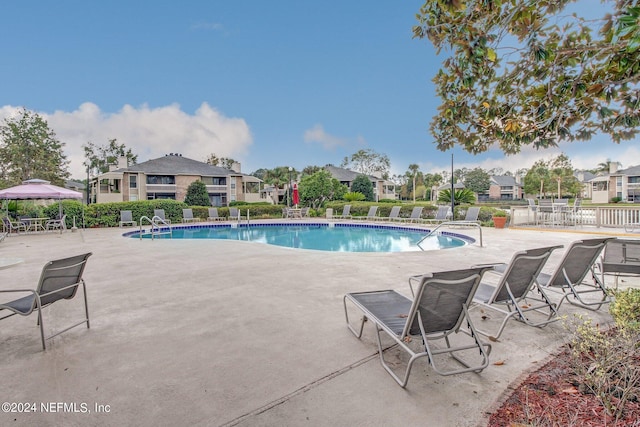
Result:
<point x="133" y="181"/>
<point x="600" y="186"/>
<point x="214" y="180"/>
<point x="153" y="196"/>
<point x="161" y="179"/>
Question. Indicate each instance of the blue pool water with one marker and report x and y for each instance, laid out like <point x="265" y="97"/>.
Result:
<point x="322" y="237"/>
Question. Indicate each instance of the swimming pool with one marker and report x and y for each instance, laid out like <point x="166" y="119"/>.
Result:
<point x="320" y="236"/>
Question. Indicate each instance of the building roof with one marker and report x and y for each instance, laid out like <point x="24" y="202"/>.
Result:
<point x="456" y="186"/>
<point x="173" y="164"/>
<point x="631" y="171"/>
<point x="505" y="181"/>
<point x="346" y="175"/>
<point x="584" y="176"/>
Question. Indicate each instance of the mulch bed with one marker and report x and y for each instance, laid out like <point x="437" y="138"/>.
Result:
<point x="552" y="396"/>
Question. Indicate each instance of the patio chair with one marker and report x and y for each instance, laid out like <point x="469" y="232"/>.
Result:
<point x="394" y="214"/>
<point x="371" y="215"/>
<point x="187" y="216"/>
<point x="126" y="217"/>
<point x="416" y="214"/>
<point x="304" y="213"/>
<point x="513" y="295"/>
<point x="442" y="215"/>
<point x="160" y="214"/>
<point x="621" y="258"/>
<point x="346" y="213"/>
<point x="213" y="215"/>
<point x="575" y="211"/>
<point x="436" y="312"/>
<point x="545" y="211"/>
<point x="13" y="226"/>
<point x="2" y="236"/>
<point x="57" y="224"/>
<point x="569" y="277"/>
<point x="234" y="214"/>
<point x="60" y="280"/>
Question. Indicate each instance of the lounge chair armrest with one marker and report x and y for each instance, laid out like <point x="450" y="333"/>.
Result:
<point x="17" y="290"/>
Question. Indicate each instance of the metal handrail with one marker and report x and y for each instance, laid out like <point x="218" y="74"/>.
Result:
<point x="454" y="223"/>
<point x="155" y="226"/>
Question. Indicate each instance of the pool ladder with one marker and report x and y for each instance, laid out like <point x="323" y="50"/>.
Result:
<point x="454" y="224"/>
<point x="157" y="228"/>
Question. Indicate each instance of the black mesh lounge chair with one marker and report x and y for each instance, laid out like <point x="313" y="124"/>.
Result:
<point x="346" y="213"/>
<point x="213" y="215"/>
<point x="160" y="214"/>
<point x="515" y="293"/>
<point x="437" y="312"/>
<point x="470" y="218"/>
<point x="234" y="214"/>
<point x="575" y="276"/>
<point x="394" y="214"/>
<point x="621" y="258"/>
<point x="126" y="218"/>
<point x="59" y="280"/>
<point x="187" y="216"/>
<point x="442" y="215"/>
<point x="371" y="215"/>
<point x="416" y="214"/>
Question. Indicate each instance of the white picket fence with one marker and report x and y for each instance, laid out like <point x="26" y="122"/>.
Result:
<point x="597" y="216"/>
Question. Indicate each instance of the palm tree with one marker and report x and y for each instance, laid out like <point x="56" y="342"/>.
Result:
<point x="278" y="177"/>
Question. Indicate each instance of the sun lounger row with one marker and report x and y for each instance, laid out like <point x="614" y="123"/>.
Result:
<point x="442" y="302"/>
<point x="126" y="217"/>
<point x="443" y="214"/>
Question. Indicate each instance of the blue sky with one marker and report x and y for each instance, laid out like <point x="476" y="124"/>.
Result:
<point x="281" y="83"/>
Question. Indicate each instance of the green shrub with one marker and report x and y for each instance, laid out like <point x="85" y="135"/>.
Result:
<point x="354" y="196"/>
<point x="625" y="308"/>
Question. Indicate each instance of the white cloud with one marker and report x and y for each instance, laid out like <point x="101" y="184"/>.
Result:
<point x="318" y="135"/>
<point x="148" y="132"/>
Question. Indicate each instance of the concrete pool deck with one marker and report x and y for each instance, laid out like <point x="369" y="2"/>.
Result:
<point x="227" y="333"/>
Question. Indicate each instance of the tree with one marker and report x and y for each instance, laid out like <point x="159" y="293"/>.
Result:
<point x="562" y="173"/>
<point x="278" y="177"/>
<point x="477" y="180"/>
<point x="368" y="162"/>
<point x="538" y="179"/>
<point x="30" y="149"/>
<point x="223" y="162"/>
<point x="320" y="187"/>
<point x="197" y="194"/>
<point x="529" y="73"/>
<point x="463" y="195"/>
<point x="98" y="158"/>
<point x="362" y="184"/>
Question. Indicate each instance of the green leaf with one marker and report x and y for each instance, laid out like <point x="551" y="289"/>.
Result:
<point x="491" y="55"/>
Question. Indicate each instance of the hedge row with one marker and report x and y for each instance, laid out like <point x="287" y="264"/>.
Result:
<point x="108" y="214"/>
